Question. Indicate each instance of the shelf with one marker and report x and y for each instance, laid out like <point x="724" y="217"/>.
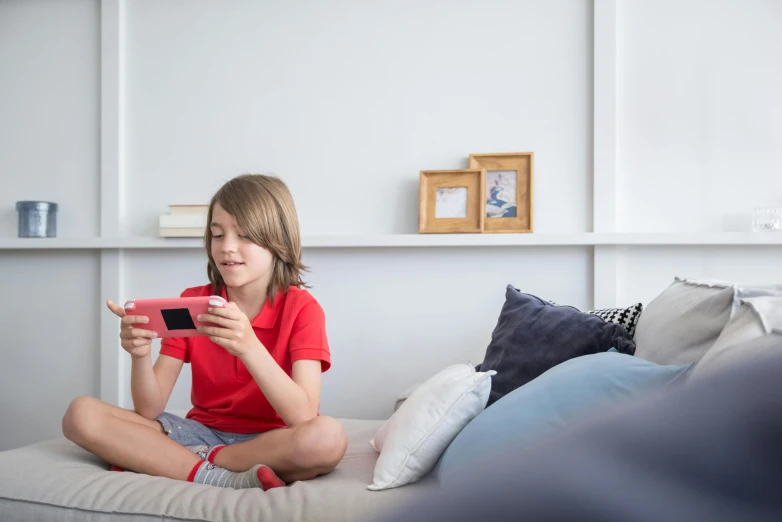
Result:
<point x="98" y="243"/>
<point x="422" y="241"/>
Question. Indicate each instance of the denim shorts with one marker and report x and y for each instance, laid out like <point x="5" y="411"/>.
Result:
<point x="188" y="432"/>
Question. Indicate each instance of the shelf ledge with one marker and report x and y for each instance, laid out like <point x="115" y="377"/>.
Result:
<point x="422" y="241"/>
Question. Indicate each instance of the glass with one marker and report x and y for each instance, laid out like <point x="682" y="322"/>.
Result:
<point x="767" y="219"/>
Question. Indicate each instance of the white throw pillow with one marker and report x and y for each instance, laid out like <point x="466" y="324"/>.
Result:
<point x="417" y="434"/>
<point x="402" y="397"/>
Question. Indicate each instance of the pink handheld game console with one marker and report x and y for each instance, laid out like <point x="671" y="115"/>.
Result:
<point x="175" y="317"/>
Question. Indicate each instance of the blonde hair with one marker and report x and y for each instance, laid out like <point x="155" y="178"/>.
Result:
<point x="263" y="209"/>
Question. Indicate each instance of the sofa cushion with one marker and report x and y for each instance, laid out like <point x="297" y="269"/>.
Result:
<point x="57" y="480"/>
<point x="533" y="335"/>
<point x="555" y="401"/>
<point x="680" y="324"/>
<point x="414" y="438"/>
<point x="627" y="317"/>
<point x="754" y="331"/>
<point x="708" y="453"/>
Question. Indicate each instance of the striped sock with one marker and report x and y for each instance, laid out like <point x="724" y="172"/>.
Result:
<point x="259" y="476"/>
<point x="199" y="450"/>
<point x="206" y="452"/>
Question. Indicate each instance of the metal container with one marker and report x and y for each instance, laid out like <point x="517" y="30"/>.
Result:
<point x="37" y="218"/>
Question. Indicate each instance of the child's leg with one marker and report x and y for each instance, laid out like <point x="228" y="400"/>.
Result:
<point x="126" y="439"/>
<point x="300" y="452"/>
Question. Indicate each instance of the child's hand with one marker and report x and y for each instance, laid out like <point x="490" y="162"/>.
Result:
<point x="234" y="333"/>
<point x="135" y="341"/>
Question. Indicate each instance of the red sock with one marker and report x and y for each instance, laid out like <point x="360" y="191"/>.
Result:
<point x="213" y="452"/>
<point x="193" y="471"/>
<point x="268" y="478"/>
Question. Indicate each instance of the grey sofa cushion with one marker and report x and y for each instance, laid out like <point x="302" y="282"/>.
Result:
<point x="57" y="480"/>
<point x="533" y="335"/>
<point x="754" y="331"/>
<point x="683" y="322"/>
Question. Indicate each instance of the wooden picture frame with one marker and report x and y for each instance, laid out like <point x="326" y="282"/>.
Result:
<point x="508" y="202"/>
<point x="451" y="201"/>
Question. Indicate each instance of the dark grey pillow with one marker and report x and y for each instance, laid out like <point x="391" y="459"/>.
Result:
<point x="533" y="335"/>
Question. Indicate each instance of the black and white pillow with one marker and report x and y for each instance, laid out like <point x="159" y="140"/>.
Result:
<point x="627" y="317"/>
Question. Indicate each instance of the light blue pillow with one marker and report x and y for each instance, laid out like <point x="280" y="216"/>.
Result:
<point x="567" y="392"/>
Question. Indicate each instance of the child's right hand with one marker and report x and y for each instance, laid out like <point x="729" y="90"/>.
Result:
<point x="135" y="341"/>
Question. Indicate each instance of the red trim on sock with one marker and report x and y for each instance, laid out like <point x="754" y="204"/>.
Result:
<point x="268" y="478"/>
<point x="116" y="468"/>
<point x="213" y="453"/>
<point x="193" y="471"/>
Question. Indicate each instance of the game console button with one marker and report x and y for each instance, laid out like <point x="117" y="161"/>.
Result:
<point x="216" y="301"/>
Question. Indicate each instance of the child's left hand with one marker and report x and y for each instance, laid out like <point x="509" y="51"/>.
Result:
<point x="235" y="332"/>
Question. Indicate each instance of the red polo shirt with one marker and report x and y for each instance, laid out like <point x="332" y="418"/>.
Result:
<point x="225" y="396"/>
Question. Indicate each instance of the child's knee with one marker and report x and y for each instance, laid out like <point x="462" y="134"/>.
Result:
<point x="79" y="417"/>
<point x="321" y="443"/>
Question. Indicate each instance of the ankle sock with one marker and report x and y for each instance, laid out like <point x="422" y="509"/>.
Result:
<point x="259" y="476"/>
<point x="206" y="452"/>
<point x="213" y="451"/>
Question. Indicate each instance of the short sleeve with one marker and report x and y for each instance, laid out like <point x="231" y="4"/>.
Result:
<point x="308" y="339"/>
<point x="175" y="347"/>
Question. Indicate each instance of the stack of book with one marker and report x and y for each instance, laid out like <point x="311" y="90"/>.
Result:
<point x="184" y="221"/>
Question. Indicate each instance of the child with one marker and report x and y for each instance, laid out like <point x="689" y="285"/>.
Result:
<point x="256" y="373"/>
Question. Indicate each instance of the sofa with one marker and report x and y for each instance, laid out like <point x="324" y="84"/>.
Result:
<point x="548" y="369"/>
<point x="57" y="480"/>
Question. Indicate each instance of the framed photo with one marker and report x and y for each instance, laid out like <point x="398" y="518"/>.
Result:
<point x="507" y="202"/>
<point x="451" y="201"/>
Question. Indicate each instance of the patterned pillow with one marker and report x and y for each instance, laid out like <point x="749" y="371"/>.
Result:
<point x="627" y="317"/>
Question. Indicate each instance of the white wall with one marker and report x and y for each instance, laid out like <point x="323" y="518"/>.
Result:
<point x="643" y="271"/>
<point x="49" y="345"/>
<point x="699" y="113"/>
<point x="348" y="101"/>
<point x="49" y="150"/>
<point x="49" y="111"/>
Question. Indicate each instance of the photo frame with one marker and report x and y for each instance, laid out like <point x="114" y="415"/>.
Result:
<point x="508" y="190"/>
<point x="451" y="201"/>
